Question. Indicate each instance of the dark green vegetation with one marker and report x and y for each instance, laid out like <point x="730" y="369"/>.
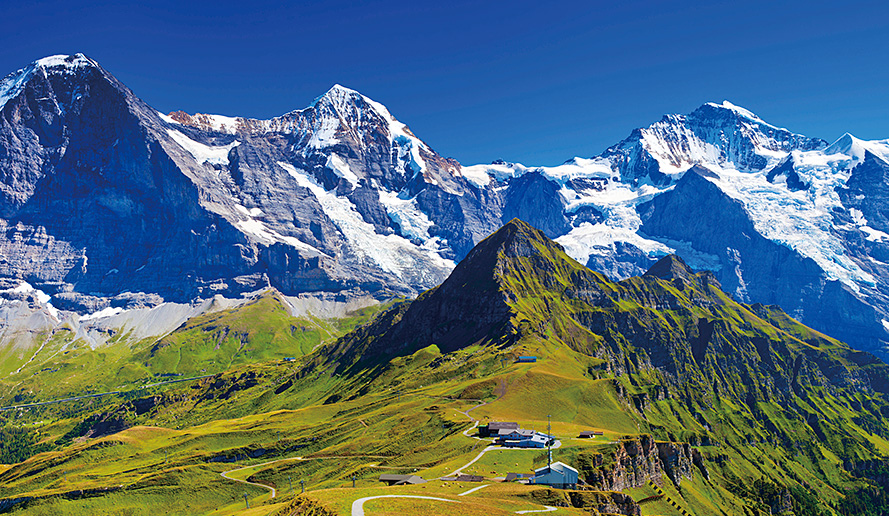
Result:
<point x="732" y="409"/>
<point x="18" y="444"/>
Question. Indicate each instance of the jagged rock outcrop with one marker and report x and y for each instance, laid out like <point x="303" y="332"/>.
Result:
<point x="636" y="461"/>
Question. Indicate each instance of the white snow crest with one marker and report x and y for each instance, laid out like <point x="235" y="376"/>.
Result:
<point x="12" y="84"/>
<point x="42" y="297"/>
<point x="105" y="312"/>
<point x="855" y="149"/>
<point x="214" y="155"/>
<point x="68" y="62"/>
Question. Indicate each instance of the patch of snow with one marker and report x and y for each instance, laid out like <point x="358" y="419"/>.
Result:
<point x="324" y="133"/>
<point x="477" y="175"/>
<point x="677" y="148"/>
<point x="268" y="235"/>
<point x="167" y="119"/>
<point x="215" y="155"/>
<point x="414" y="223"/>
<point x="252" y="212"/>
<point x="599" y="239"/>
<point x="12" y="84"/>
<point x="873" y="235"/>
<point x="341" y="168"/>
<point x="105" y="312"/>
<point x="392" y="253"/>
<point x="42" y="297"/>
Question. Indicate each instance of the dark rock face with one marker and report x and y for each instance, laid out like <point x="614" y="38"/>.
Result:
<point x="754" y="268"/>
<point x="786" y="169"/>
<point x="100" y="195"/>
<point x="635" y="462"/>
<point x="536" y="200"/>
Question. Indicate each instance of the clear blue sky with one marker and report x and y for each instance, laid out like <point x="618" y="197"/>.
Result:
<point x="536" y="82"/>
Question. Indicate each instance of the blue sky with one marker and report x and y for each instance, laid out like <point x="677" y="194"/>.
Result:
<point x="535" y="82"/>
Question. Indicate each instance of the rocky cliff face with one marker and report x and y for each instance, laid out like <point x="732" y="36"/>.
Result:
<point x="101" y="196"/>
<point x="597" y="502"/>
<point x="636" y="461"/>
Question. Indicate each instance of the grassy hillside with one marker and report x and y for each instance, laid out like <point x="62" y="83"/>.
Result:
<point x="260" y="329"/>
<point x="706" y="404"/>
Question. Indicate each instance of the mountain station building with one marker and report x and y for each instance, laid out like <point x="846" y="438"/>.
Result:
<point x="492" y="428"/>
<point x="557" y="474"/>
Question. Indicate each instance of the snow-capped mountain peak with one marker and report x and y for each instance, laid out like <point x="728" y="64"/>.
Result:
<point x="743" y="112"/>
<point x="340" y="196"/>
<point x="338" y="96"/>
<point x="856" y="148"/>
<point x="68" y="62"/>
<point x="12" y="84"/>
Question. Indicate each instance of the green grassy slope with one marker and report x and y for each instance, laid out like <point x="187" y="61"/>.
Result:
<point x="261" y="329"/>
<point x="781" y="419"/>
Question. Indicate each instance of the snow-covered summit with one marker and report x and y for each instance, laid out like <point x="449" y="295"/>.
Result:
<point x="856" y="148"/>
<point x="69" y="62"/>
<point x="743" y="112"/>
<point x="12" y="84"/>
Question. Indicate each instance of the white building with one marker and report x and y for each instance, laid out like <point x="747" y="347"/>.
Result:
<point x="557" y="474"/>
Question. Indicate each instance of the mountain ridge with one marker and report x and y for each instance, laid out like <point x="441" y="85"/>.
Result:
<point x="341" y="197"/>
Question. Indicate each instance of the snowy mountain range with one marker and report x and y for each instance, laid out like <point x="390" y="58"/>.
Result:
<point x="108" y="206"/>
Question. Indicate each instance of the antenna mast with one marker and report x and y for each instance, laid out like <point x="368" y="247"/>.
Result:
<point x="549" y="442"/>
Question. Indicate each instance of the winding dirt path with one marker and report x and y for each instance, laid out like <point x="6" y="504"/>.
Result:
<point x="224" y="474"/>
<point x="264" y="464"/>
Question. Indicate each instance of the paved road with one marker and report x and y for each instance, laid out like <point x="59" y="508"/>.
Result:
<point x="456" y="472"/>
<point x="358" y="505"/>
<point x="548" y="509"/>
<point x="474" y="489"/>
